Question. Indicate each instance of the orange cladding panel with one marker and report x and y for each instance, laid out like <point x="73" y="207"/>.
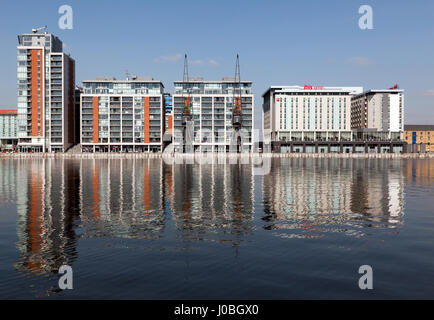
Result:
<point x="34" y="93"/>
<point x="170" y="123"/>
<point x="146" y="120"/>
<point x="187" y="105"/>
<point x="95" y="120"/>
<point x="42" y="93"/>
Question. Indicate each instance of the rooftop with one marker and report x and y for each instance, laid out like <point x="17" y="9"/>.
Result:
<point x="309" y="88"/>
<point x="419" y="127"/>
<point x="201" y="80"/>
<point x="133" y="79"/>
<point x="368" y="92"/>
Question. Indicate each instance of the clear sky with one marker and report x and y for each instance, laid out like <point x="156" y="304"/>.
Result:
<point x="279" y="42"/>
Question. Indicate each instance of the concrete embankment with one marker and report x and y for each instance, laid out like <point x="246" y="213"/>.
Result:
<point x="216" y="155"/>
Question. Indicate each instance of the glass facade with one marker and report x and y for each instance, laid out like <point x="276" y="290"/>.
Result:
<point x="44" y="80"/>
<point x="304" y="116"/>
<point x="122" y="87"/>
<point x="132" y="119"/>
<point x="8" y="124"/>
<point x="210" y="87"/>
<point x="211" y="113"/>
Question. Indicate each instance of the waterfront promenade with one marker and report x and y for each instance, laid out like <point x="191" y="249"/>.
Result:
<point x="215" y="155"/>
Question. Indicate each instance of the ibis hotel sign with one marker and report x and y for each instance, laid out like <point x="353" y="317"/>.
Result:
<point x="308" y="87"/>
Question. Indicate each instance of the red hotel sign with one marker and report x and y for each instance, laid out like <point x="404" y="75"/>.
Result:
<point x="307" y="87"/>
<point x="8" y="112"/>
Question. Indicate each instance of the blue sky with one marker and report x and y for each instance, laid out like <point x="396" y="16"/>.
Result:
<point x="279" y="42"/>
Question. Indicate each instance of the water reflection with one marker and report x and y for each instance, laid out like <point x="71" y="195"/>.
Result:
<point x="213" y="199"/>
<point x="47" y="194"/>
<point x="419" y="172"/>
<point x="60" y="201"/>
<point x="8" y="182"/>
<point x="122" y="198"/>
<point x="313" y="196"/>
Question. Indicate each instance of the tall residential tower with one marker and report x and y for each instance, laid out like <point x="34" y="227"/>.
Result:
<point x="46" y="83"/>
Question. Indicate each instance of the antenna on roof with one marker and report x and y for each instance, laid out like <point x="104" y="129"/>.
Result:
<point x="36" y="30"/>
<point x="185" y="69"/>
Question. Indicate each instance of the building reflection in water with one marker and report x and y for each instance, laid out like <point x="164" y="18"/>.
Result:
<point x="332" y="195"/>
<point x="419" y="172"/>
<point x="8" y="182"/>
<point x="125" y="198"/>
<point x="213" y="202"/>
<point x="59" y="201"/>
<point x="140" y="198"/>
<point x="122" y="198"/>
<point x="47" y="192"/>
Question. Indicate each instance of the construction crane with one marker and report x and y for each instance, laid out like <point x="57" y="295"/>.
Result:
<point x="237" y="110"/>
<point x="186" y="115"/>
<point x="237" y="114"/>
<point x="36" y="30"/>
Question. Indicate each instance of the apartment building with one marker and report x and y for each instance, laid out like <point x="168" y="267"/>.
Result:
<point x="378" y="114"/>
<point x="122" y="115"/>
<point x="77" y="131"/>
<point x="8" y="129"/>
<point x="420" y="138"/>
<point x="212" y="104"/>
<point x="46" y="82"/>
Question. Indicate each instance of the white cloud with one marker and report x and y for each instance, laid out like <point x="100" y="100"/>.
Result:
<point x="168" y="58"/>
<point x="212" y="62"/>
<point x="429" y="93"/>
<point x="209" y="62"/>
<point x="176" y="57"/>
<point x="196" y="62"/>
<point x="360" y="61"/>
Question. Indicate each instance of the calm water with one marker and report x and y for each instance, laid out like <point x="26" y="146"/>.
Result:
<point x="146" y="230"/>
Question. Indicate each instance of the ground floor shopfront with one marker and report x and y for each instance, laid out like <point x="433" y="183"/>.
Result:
<point x="339" y="147"/>
<point x="120" y="148"/>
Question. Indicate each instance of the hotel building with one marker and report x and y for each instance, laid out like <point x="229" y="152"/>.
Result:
<point x="211" y="112"/>
<point x="420" y="138"/>
<point x="46" y="82"/>
<point x="333" y="119"/>
<point x="296" y="113"/>
<point x="378" y="115"/>
<point x="122" y="115"/>
<point x="8" y="129"/>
